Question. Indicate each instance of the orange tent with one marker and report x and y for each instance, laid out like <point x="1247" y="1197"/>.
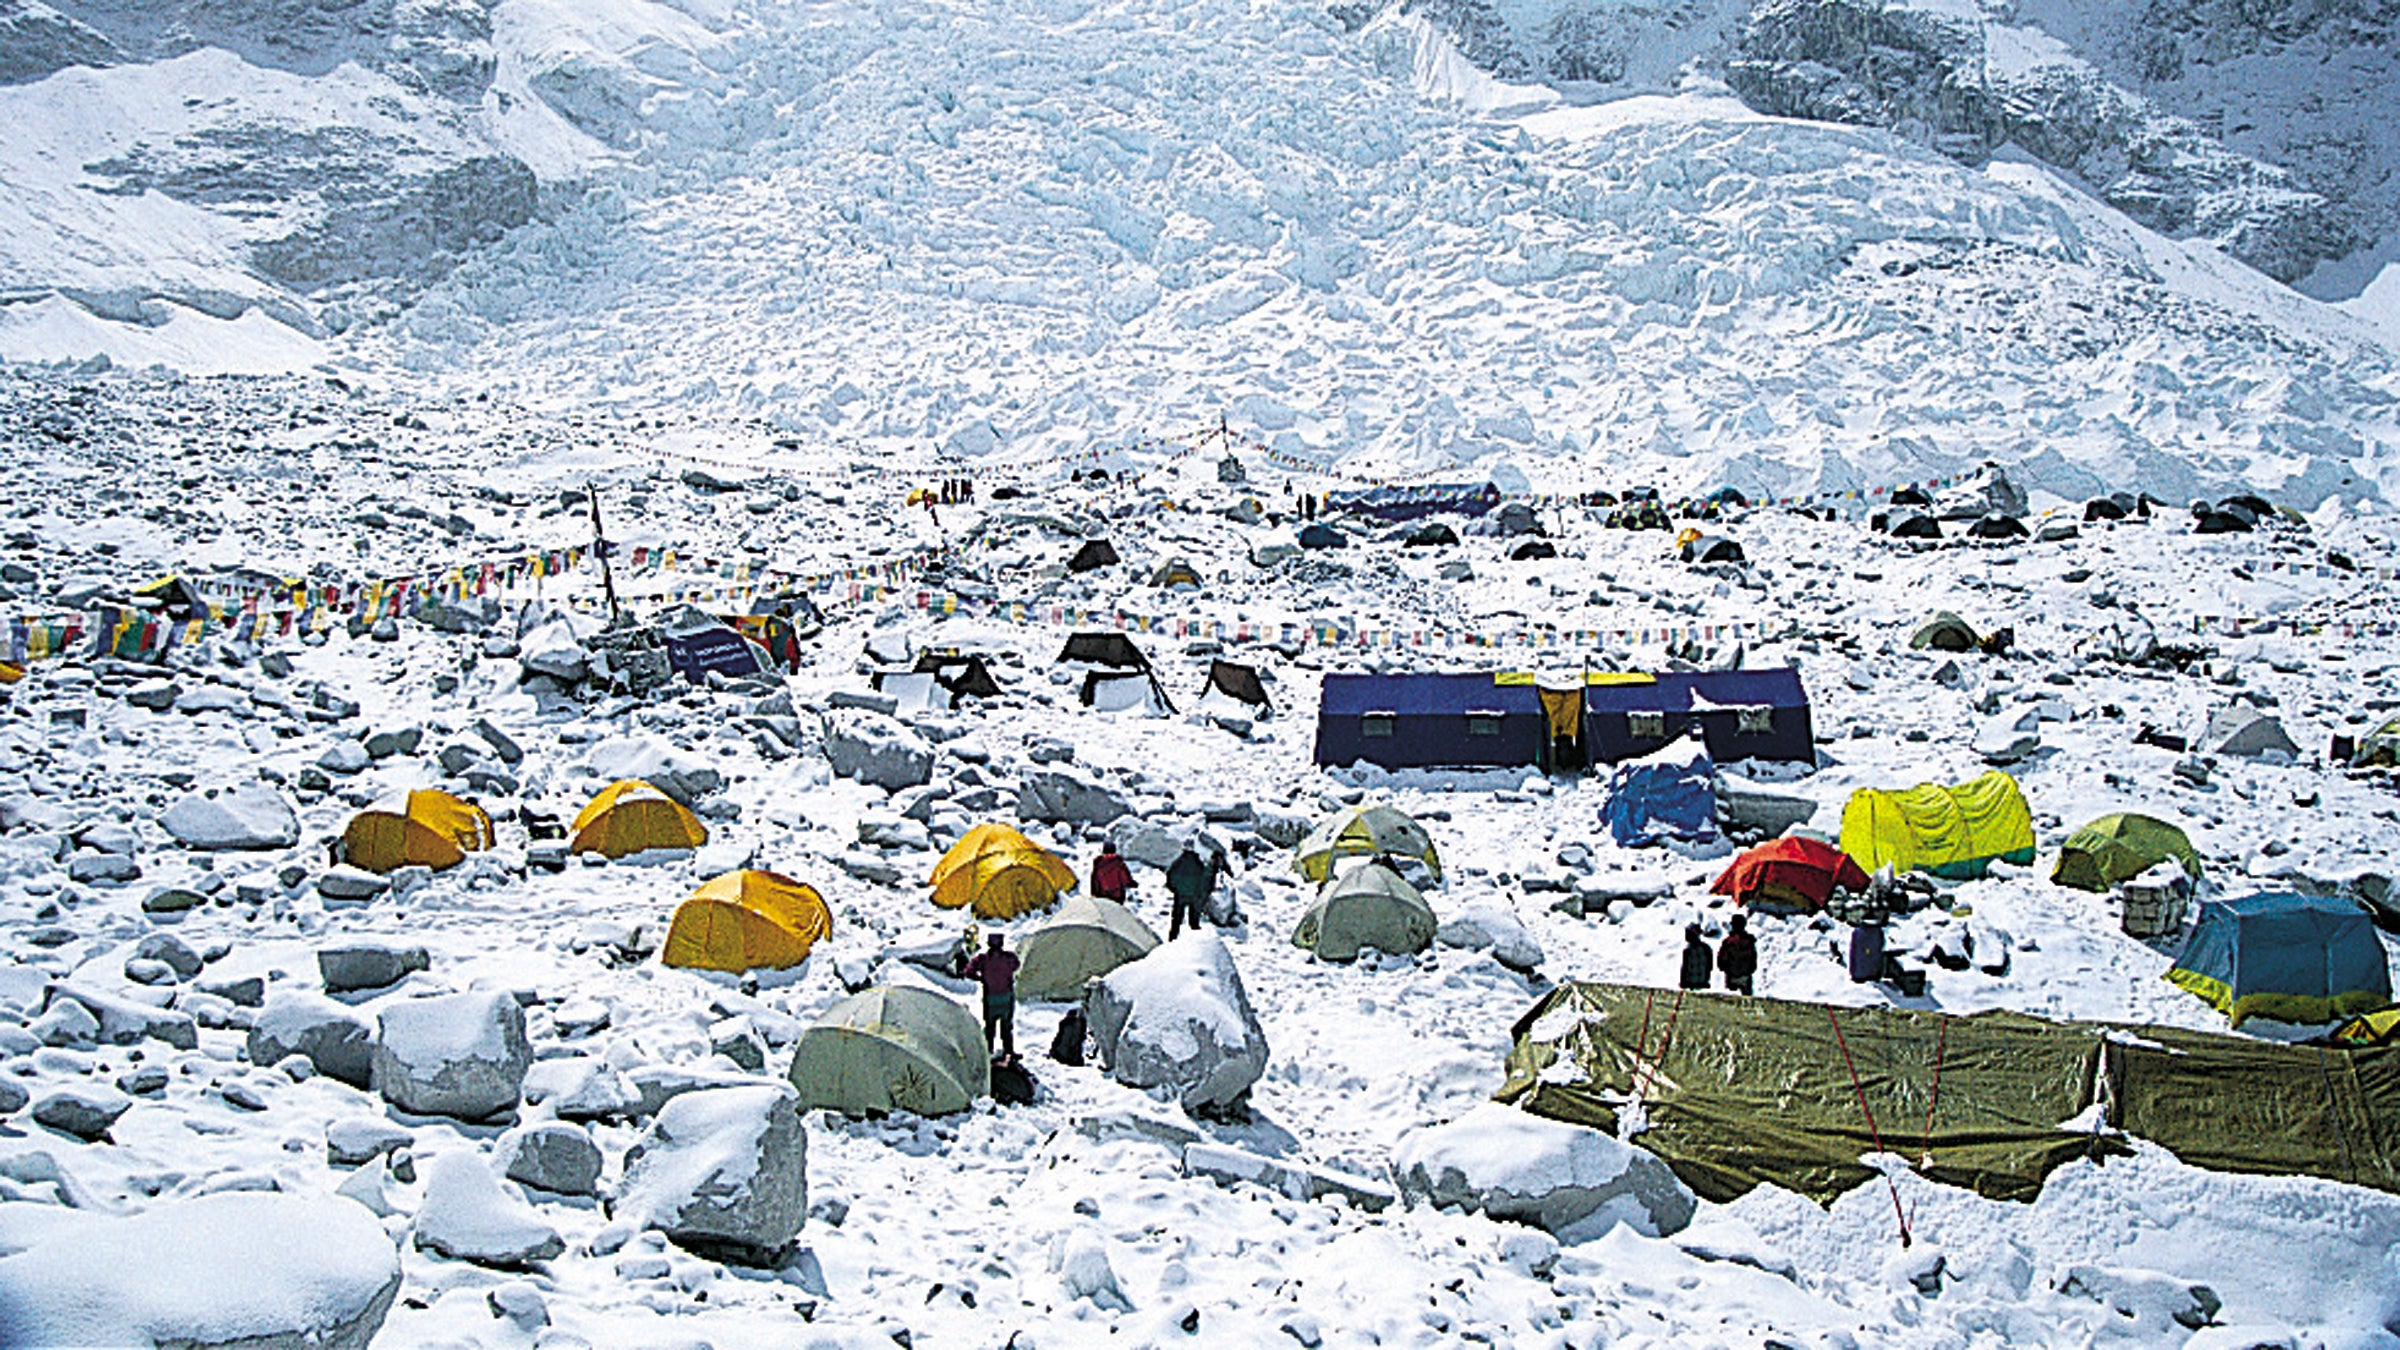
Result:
<point x="631" y="816"/>
<point x="1000" y="873"/>
<point x="746" y="920"/>
<point x="424" y="828"/>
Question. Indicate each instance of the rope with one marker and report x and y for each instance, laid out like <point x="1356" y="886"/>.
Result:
<point x="1874" y="1132"/>
<point x="1642" y="1042"/>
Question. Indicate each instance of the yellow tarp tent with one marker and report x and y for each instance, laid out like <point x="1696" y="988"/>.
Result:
<point x="1360" y="832"/>
<point x="999" y="873"/>
<point x="746" y="920"/>
<point x="424" y="828"/>
<point x="1951" y="832"/>
<point x="630" y="816"/>
<point x="10" y="674"/>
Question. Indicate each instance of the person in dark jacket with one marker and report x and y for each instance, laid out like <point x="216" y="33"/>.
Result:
<point x="1111" y="878"/>
<point x="1698" y="960"/>
<point x="996" y="971"/>
<point x="1737" y="955"/>
<point x="1190" y="878"/>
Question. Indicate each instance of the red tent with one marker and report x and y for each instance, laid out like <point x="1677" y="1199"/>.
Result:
<point x="1790" y="873"/>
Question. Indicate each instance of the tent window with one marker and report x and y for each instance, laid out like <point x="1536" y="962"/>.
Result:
<point x="1754" y="721"/>
<point x="1483" y="723"/>
<point x="1652" y="725"/>
<point x="1376" y="725"/>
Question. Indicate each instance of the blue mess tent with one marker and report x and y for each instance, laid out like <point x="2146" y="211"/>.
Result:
<point x="1412" y="503"/>
<point x="1505" y="719"/>
<point x="2293" y="958"/>
<point x="1428" y="721"/>
<point x="1669" y="795"/>
<point x="1741" y="714"/>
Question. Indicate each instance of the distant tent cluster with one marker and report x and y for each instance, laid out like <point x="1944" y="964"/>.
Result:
<point x="1516" y="719"/>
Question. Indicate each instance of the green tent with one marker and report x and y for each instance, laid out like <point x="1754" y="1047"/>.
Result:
<point x="893" y="1048"/>
<point x="2119" y="848"/>
<point x="1359" y="831"/>
<point x="1943" y="632"/>
<point x="2380" y="746"/>
<point x="1087" y="938"/>
<point x="1368" y="906"/>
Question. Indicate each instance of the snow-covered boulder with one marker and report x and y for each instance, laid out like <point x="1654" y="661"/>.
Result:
<point x="1179" y="1018"/>
<point x="553" y="650"/>
<point x="581" y="1087"/>
<point x="252" y="816"/>
<point x="125" y="1021"/>
<point x="367" y="965"/>
<point x="877" y="750"/>
<point x="1483" y="927"/>
<point x="722" y="1169"/>
<point x="551" y="1155"/>
<point x="334" y="1038"/>
<point x="2008" y="737"/>
<point x="674" y="771"/>
<point x="470" y="1216"/>
<point x="82" y="1110"/>
<point x="1056" y="794"/>
<point x="461" y="1055"/>
<point x="351" y="887"/>
<point x="1573" y="1183"/>
<point x="254" y="1269"/>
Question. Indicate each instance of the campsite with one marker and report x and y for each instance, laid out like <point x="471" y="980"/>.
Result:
<point x="703" y="887"/>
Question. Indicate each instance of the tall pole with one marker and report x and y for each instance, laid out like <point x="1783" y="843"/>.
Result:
<point x="608" y="580"/>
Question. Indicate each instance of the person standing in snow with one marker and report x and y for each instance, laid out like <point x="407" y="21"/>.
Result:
<point x="996" y="971"/>
<point x="1698" y="960"/>
<point x="1189" y="880"/>
<point x="1111" y="878"/>
<point x="1737" y="955"/>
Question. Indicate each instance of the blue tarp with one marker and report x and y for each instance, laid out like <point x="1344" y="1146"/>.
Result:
<point x="1669" y="795"/>
<point x="1713" y="700"/>
<point x="719" y="649"/>
<point x="1411" y="503"/>
<point x="1428" y="721"/>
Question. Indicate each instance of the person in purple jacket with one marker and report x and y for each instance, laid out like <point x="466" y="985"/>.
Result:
<point x="996" y="971"/>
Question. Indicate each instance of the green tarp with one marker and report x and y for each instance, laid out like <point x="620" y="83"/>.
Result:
<point x="1744" y="1091"/>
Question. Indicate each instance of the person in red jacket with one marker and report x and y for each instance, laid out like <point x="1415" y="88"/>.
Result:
<point x="996" y="971"/>
<point x="1737" y="956"/>
<point x="1111" y="878"/>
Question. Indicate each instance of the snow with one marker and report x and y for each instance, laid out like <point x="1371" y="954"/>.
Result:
<point x="188" y="340"/>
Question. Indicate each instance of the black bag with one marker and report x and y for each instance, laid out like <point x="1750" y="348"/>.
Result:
<point x="1067" y="1046"/>
<point x="1011" y="1085"/>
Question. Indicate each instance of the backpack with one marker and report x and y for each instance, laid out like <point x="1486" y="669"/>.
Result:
<point x="1067" y="1046"/>
<point x="1011" y="1085"/>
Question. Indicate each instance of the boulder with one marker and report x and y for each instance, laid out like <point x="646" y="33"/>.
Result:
<point x="2009" y="737"/>
<point x="551" y="1156"/>
<point x="252" y="816"/>
<point x="469" y="1216"/>
<point x="390" y="741"/>
<point x="1062" y="794"/>
<point x="1226" y="1166"/>
<point x="553" y="650"/>
<point x="351" y="885"/>
<point x="1483" y="927"/>
<point x="345" y="758"/>
<point x="581" y="1087"/>
<point x="367" y="965"/>
<point x="355" y="1140"/>
<point x="172" y="900"/>
<point x="123" y="1021"/>
<point x="254" y="1269"/>
<point x="1179" y="1018"/>
<point x="112" y="868"/>
<point x="167" y="947"/>
<point x="82" y="1110"/>
<point x="1572" y="1182"/>
<point x="156" y="695"/>
<point x="334" y="1038"/>
<point x="877" y="750"/>
<point x="674" y="771"/>
<point x="723" y="1170"/>
<point x="462" y="1055"/>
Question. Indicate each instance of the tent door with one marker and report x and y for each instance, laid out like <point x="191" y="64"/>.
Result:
<point x="1562" y="717"/>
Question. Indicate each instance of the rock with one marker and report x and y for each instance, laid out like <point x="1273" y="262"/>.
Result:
<point x="1482" y="927"/>
<point x="252" y="816"/>
<point x="172" y="900"/>
<point x="502" y="745"/>
<point x="553" y="650"/>
<point x="458" y="756"/>
<point x="212" y="698"/>
<point x="1744" y="805"/>
<point x="333" y="1038"/>
<point x="126" y="1022"/>
<point x="344" y="757"/>
<point x="468" y="1216"/>
<point x="1284" y="829"/>
<point x="1226" y="1166"/>
<point x="1079" y="1256"/>
<point x="367" y="965"/>
<point x="142" y="970"/>
<point x="355" y="1140"/>
<point x="392" y="741"/>
<point x="462" y="1055"/>
<point x="176" y="952"/>
<point x="737" y="1040"/>
<point x="156" y="695"/>
<point x="1179" y="1017"/>
<point x="66" y="1024"/>
<point x="112" y="868"/>
<point x="723" y="1170"/>
<point x="83" y="1110"/>
<point x="2009" y="737"/>
<point x="658" y="1084"/>
<point x="1573" y="1183"/>
<point x="864" y="701"/>
<point x="1049" y="750"/>
<point x="13" y="1096"/>
<point x="552" y="1156"/>
<point x="443" y="617"/>
<point x="876" y="750"/>
<point x="351" y="885"/>
<point x="248" y="991"/>
<point x="581" y="1087"/>
<point x="680" y="774"/>
<point x="1062" y="794"/>
<point x="257" y="1270"/>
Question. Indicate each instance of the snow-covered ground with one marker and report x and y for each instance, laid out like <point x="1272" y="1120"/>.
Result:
<point x="1017" y="1222"/>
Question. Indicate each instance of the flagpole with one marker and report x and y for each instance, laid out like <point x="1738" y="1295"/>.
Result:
<point x="608" y="581"/>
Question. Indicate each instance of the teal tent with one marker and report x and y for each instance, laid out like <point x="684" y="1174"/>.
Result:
<point x="2293" y="958"/>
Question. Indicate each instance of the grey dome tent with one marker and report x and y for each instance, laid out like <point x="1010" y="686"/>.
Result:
<point x="1943" y="631"/>
<point x="1175" y="572"/>
<point x="1087" y="938"/>
<point x="964" y="674"/>
<point x="892" y="1048"/>
<point x="2103" y="508"/>
<point x="1118" y="665"/>
<point x="1370" y="905"/>
<point x="2244" y="729"/>
<point x="1095" y="554"/>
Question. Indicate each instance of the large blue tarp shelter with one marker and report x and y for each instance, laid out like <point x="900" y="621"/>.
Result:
<point x="1488" y="720"/>
<point x="1741" y="714"/>
<point x="1428" y="721"/>
<point x="1412" y="503"/>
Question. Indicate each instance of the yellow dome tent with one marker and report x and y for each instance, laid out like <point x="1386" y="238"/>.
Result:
<point x="999" y="873"/>
<point x="630" y="816"/>
<point x="1363" y="831"/>
<point x="1952" y="832"/>
<point x="424" y="828"/>
<point x="746" y="920"/>
<point x="10" y="674"/>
